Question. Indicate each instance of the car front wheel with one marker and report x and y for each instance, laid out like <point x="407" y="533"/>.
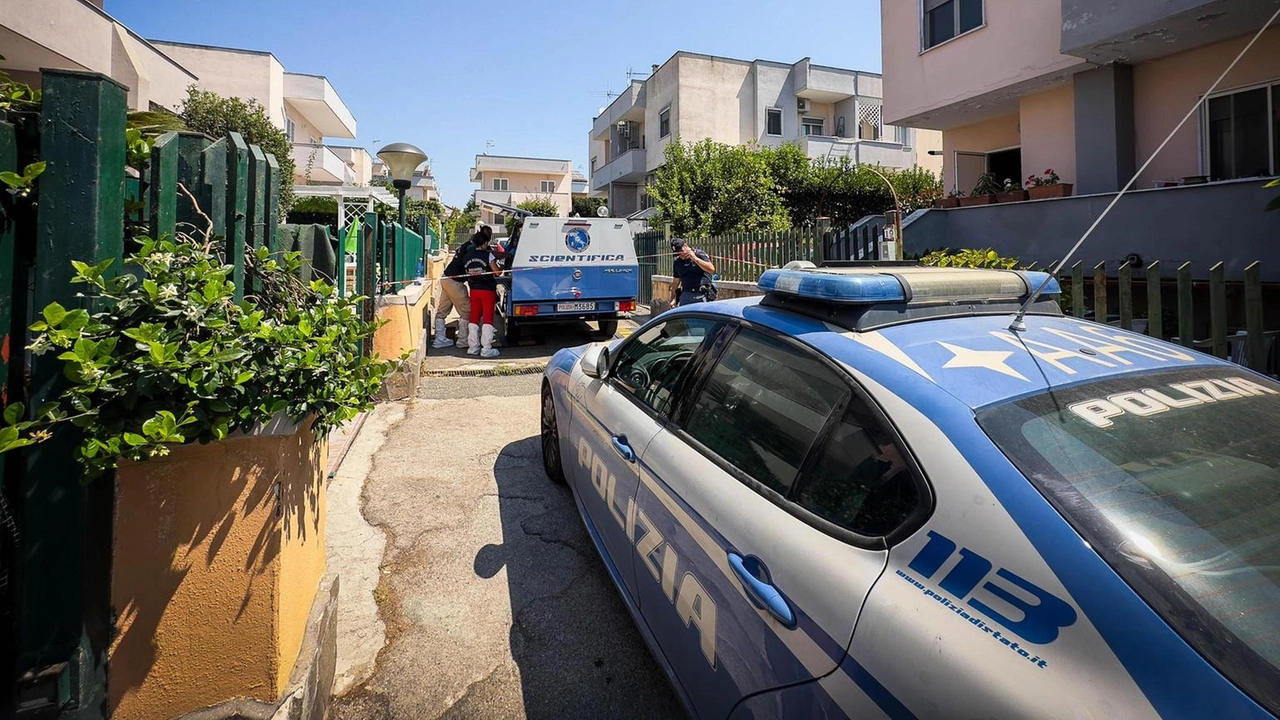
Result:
<point x="550" y="438"/>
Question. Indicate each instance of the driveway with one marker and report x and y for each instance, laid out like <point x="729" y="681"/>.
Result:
<point x="495" y="603"/>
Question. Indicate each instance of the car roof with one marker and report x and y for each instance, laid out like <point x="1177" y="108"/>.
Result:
<point x="977" y="359"/>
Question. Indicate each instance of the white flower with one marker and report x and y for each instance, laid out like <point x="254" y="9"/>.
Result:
<point x="169" y="292"/>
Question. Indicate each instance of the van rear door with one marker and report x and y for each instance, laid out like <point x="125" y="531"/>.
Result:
<point x="575" y="260"/>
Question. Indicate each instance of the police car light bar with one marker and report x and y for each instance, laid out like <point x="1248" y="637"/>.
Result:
<point x="906" y="285"/>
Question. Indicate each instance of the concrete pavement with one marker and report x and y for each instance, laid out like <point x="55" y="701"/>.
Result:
<point x="496" y="604"/>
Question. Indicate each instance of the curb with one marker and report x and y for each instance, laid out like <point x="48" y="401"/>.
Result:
<point x="488" y="370"/>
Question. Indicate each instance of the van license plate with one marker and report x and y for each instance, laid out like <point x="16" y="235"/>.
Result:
<point x="575" y="307"/>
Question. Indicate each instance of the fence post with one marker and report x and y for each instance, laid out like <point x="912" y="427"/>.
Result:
<point x="237" y="207"/>
<point x="190" y="160"/>
<point x="1077" y="289"/>
<point x="67" y="525"/>
<point x="163" y="190"/>
<point x="1186" y="326"/>
<point x="1100" y="293"/>
<point x="271" y="210"/>
<point x="255" y="227"/>
<point x="1126" y="296"/>
<point x="213" y="185"/>
<point x="1253" y="317"/>
<point x="820" y="243"/>
<point x="1155" y="305"/>
<point x="1218" y="309"/>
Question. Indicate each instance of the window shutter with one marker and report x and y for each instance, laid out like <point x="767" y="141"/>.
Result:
<point x="933" y="4"/>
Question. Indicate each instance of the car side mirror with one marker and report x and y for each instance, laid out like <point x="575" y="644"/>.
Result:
<point x="595" y="361"/>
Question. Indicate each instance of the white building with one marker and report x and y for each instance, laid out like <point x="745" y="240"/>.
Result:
<point x="79" y="35"/>
<point x="827" y="111"/>
<point x="306" y="107"/>
<point x="513" y="180"/>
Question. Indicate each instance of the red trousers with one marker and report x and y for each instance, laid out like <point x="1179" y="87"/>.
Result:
<point x="482" y="302"/>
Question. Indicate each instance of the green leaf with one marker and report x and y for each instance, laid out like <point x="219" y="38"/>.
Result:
<point x="32" y="171"/>
<point x="135" y="439"/>
<point x="54" y="313"/>
<point x="12" y="179"/>
<point x="13" y="413"/>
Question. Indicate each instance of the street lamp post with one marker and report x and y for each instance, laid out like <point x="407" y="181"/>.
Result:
<point x="897" y="217"/>
<point x="401" y="160"/>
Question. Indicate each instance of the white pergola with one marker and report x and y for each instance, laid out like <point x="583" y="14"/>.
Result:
<point x="353" y="200"/>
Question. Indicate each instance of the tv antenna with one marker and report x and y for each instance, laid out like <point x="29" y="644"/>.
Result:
<point x="606" y="93"/>
<point x="635" y="74"/>
<point x="1017" y="325"/>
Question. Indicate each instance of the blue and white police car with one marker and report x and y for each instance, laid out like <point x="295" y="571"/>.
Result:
<point x="864" y="495"/>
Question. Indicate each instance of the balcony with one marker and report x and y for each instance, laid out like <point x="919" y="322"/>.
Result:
<point x="629" y="167"/>
<point x="627" y="106"/>
<point x="1200" y="224"/>
<point x="825" y="85"/>
<point x="871" y="152"/>
<point x="319" y="164"/>
<point x="1106" y="31"/>
<point x="313" y="99"/>
<point x="358" y="161"/>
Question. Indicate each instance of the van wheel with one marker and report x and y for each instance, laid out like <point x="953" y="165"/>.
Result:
<point x="608" y="328"/>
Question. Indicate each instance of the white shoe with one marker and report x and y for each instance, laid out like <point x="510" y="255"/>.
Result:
<point x="473" y="340"/>
<point x="486" y="341"/>
<point x="463" y="325"/>
<point x="442" y="337"/>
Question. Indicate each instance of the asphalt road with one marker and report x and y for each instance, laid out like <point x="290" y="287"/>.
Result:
<point x="495" y="602"/>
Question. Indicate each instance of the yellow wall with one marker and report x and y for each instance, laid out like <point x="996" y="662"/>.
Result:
<point x="211" y="588"/>
<point x="406" y="317"/>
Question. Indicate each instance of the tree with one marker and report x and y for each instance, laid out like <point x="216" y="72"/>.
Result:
<point x="539" y="207"/>
<point x="587" y="206"/>
<point x="214" y="115"/>
<point x="708" y="188"/>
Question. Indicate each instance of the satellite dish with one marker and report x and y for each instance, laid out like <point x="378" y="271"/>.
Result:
<point x="602" y="211"/>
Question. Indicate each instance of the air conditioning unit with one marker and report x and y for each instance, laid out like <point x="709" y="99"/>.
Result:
<point x="802" y="104"/>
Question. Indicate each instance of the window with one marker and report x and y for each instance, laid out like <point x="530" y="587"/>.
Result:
<point x="290" y="129"/>
<point x="664" y="122"/>
<point x="650" y="365"/>
<point x="1173" y="479"/>
<point x="593" y="163"/>
<point x="774" y="121"/>
<point x="901" y="135"/>
<point x="763" y="406"/>
<point x="811" y="126"/>
<point x="860" y="480"/>
<point x="1242" y="132"/>
<point x="946" y="19"/>
<point x="548" y="187"/>
<point x="500" y="184"/>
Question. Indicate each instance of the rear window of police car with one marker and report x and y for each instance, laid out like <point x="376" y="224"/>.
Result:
<point x="1175" y="479"/>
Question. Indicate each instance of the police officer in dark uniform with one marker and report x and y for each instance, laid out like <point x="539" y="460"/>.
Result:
<point x="692" y="270"/>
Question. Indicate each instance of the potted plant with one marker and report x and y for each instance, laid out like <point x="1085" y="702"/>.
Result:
<point x="1048" y="185"/>
<point x="1013" y="192"/>
<point x="952" y="200"/>
<point x="984" y="192"/>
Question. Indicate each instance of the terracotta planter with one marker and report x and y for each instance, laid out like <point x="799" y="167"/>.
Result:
<point x="219" y="550"/>
<point x="946" y="203"/>
<point x="977" y="200"/>
<point x="1011" y="196"/>
<point x="1044" y="192"/>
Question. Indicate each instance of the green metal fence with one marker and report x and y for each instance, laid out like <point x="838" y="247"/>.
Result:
<point x="743" y="256"/>
<point x="55" y="531"/>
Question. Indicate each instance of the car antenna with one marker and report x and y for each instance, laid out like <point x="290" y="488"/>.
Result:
<point x="1018" y="325"/>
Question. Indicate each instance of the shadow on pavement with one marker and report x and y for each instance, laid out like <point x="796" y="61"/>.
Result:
<point x="579" y="654"/>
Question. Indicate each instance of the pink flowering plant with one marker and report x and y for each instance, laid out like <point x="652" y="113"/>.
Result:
<point x="1048" y="178"/>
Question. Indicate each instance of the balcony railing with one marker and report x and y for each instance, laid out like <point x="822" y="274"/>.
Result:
<point x="627" y="167"/>
<point x="320" y="164"/>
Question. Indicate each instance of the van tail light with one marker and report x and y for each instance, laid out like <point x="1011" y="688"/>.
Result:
<point x="526" y="310"/>
<point x="627" y="306"/>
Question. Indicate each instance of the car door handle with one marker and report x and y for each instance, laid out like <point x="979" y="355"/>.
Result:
<point x="620" y="444"/>
<point x="761" y="592"/>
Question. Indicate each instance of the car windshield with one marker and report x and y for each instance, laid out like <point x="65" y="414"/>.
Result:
<point x="1175" y="479"/>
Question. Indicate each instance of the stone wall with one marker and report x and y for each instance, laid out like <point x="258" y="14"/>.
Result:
<point x="724" y="291"/>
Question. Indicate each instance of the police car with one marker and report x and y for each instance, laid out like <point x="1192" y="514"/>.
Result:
<point x="863" y="495"/>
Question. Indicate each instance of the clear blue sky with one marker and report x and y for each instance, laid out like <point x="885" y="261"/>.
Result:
<point x="527" y="75"/>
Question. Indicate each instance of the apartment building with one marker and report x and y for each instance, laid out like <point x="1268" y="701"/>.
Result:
<point x="1090" y="89"/>
<point x="424" y="185"/>
<point x="512" y="180"/>
<point x="80" y="35"/>
<point x="306" y="107"/>
<point x="828" y="112"/>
